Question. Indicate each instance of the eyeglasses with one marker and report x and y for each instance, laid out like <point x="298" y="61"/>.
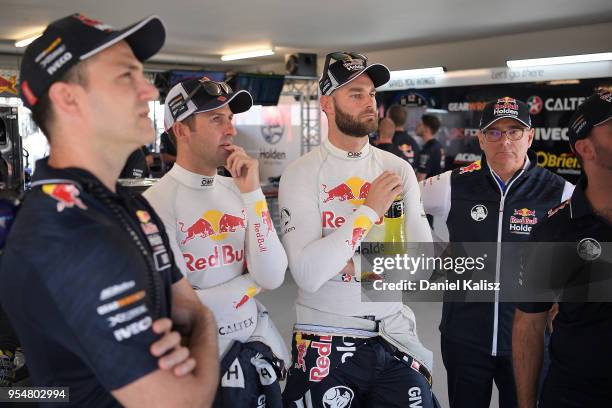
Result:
<point x="211" y="87"/>
<point x="493" y="135"/>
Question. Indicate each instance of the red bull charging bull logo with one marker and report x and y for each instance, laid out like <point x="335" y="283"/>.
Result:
<point x="301" y="346"/>
<point x="67" y="195"/>
<point x="470" y="167"/>
<point x="261" y="209"/>
<point x="248" y="294"/>
<point x="361" y="226"/>
<point x="354" y="190"/>
<point x="214" y="225"/>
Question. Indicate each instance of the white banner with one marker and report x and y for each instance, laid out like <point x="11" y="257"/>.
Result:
<point x="502" y="75"/>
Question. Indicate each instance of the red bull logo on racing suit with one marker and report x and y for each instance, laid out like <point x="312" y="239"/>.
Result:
<point x="214" y="225"/>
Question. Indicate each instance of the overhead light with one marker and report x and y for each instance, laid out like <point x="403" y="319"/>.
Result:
<point x="419" y="72"/>
<point x="249" y="54"/>
<point x="570" y="59"/>
<point x="26" y="41"/>
<point x="564" y="82"/>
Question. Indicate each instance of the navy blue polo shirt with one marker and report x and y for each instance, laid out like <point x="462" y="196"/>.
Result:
<point x="85" y="273"/>
<point x="582" y="335"/>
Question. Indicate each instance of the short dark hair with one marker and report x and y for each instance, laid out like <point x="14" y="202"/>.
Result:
<point x="189" y="121"/>
<point x="432" y="122"/>
<point x="397" y="113"/>
<point x="42" y="112"/>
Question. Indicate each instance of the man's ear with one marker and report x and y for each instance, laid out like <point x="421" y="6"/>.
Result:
<point x="326" y="104"/>
<point x="66" y="98"/>
<point x="585" y="148"/>
<point x="181" y="132"/>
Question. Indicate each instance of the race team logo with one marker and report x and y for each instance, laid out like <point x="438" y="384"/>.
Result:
<point x="521" y="221"/>
<point x="535" y="104"/>
<point x="93" y="22"/>
<point x="273" y="126"/>
<point x="354" y="190"/>
<point x="479" y="212"/>
<point x="248" y="294"/>
<point x="213" y="224"/>
<point x="67" y="195"/>
<point x="407" y="151"/>
<point x="301" y="346"/>
<point x="506" y="106"/>
<point x="589" y="249"/>
<point x="470" y="167"/>
<point x="143" y="216"/>
<point x="8" y="84"/>
<point x="361" y="226"/>
<point x="261" y="209"/>
<point x="338" y="397"/>
<point x="560" y="207"/>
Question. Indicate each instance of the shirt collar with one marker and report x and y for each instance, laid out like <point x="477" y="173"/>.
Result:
<point x="343" y="154"/>
<point x="46" y="174"/>
<point x="191" y="179"/>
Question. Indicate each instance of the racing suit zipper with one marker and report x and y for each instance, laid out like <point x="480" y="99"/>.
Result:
<point x="500" y="221"/>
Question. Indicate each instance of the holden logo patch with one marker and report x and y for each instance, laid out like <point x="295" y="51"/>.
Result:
<point x="589" y="249"/>
<point x="338" y="397"/>
<point x="479" y="212"/>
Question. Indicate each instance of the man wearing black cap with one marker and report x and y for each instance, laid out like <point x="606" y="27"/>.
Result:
<point x="496" y="199"/>
<point x="217" y="225"/>
<point x="88" y="278"/>
<point x="331" y="199"/>
<point x="579" y="374"/>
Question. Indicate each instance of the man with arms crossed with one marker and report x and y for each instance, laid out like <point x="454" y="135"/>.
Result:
<point x="87" y="269"/>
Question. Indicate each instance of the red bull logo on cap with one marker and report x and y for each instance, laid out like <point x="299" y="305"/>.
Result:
<point x="213" y="224"/>
<point x="470" y="167"/>
<point x="67" y="195"/>
<point x="354" y="190"/>
<point x="361" y="226"/>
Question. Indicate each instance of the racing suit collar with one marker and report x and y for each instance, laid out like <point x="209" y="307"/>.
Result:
<point x="190" y="179"/>
<point x="345" y="155"/>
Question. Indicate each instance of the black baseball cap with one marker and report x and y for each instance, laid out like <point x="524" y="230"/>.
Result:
<point x="202" y="95"/>
<point x="69" y="40"/>
<point x="347" y="67"/>
<point x="505" y="107"/>
<point x="594" y="111"/>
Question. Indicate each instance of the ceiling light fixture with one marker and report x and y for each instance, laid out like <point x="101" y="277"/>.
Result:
<point x="570" y="59"/>
<point x="249" y="54"/>
<point x="26" y="41"/>
<point x="419" y="72"/>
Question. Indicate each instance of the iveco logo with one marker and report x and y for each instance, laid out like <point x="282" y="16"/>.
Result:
<point x="354" y="155"/>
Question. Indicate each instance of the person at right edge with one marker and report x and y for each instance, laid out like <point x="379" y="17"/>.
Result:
<point x="347" y="352"/>
<point x="494" y="200"/>
<point x="579" y="374"/>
